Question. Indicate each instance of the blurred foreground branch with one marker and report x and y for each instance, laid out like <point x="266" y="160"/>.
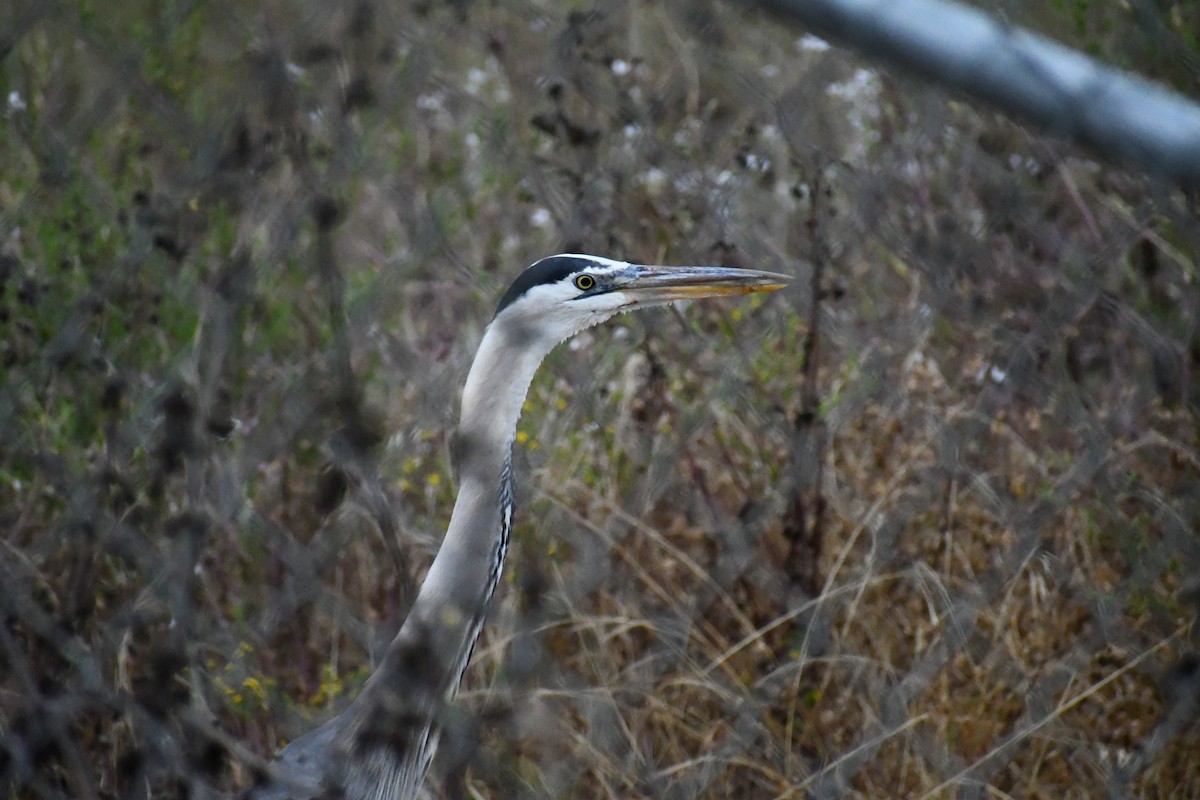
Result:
<point x="1121" y="116"/>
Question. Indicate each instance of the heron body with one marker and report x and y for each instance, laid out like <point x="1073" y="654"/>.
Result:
<point x="380" y="746"/>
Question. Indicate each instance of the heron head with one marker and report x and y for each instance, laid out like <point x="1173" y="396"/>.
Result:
<point x="559" y="296"/>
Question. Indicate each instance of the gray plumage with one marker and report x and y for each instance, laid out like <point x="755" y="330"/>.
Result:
<point x="380" y="746"/>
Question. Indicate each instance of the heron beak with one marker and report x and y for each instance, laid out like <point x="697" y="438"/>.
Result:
<point x="646" y="285"/>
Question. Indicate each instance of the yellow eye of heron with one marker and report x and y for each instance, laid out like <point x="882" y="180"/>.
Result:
<point x="584" y="282"/>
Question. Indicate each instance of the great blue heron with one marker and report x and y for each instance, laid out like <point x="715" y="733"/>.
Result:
<point x="380" y="746"/>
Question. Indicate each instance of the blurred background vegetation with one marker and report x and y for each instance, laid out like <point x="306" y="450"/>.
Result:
<point x="923" y="525"/>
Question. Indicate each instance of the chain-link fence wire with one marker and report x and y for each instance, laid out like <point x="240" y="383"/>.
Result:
<point x="921" y="525"/>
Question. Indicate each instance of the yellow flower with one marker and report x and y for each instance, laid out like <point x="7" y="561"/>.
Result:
<point x="255" y="687"/>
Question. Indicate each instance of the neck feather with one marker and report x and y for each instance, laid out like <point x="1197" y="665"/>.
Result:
<point x="448" y="613"/>
<point x="482" y="449"/>
<point x="402" y="700"/>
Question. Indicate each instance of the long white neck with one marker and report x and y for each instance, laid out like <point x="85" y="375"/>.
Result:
<point x="482" y="447"/>
<point x="496" y="386"/>
<point x="448" y="613"/>
<point x="395" y="717"/>
<point x="392" y="727"/>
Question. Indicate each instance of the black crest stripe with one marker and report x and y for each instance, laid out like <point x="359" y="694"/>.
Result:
<point x="548" y="270"/>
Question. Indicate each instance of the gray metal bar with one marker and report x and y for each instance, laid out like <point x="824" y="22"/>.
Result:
<point x="1122" y="117"/>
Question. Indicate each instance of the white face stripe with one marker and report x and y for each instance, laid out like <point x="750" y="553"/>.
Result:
<point x="603" y="266"/>
<point x="551" y="298"/>
<point x="549" y="313"/>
